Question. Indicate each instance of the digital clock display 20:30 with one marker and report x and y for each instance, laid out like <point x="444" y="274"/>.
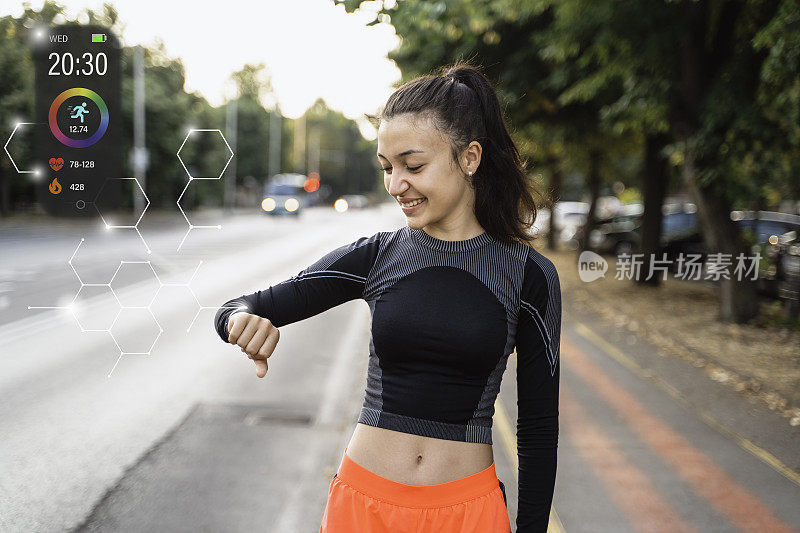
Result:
<point x="78" y="130"/>
<point x="87" y="64"/>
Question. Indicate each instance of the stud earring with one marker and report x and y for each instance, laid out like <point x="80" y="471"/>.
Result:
<point x="470" y="173"/>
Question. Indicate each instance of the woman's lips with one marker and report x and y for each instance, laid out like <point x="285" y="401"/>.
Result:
<point x="413" y="207"/>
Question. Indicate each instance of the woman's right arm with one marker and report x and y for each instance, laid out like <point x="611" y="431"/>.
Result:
<point x="337" y="277"/>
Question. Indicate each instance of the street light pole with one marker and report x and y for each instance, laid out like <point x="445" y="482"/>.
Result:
<point x="232" y="111"/>
<point x="275" y="142"/>
<point x="139" y="149"/>
<point x="313" y="150"/>
<point x="300" y="145"/>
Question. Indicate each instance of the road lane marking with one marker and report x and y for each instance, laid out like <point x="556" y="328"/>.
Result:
<point x="616" y="354"/>
<point x="628" y="487"/>
<point x="743" y="508"/>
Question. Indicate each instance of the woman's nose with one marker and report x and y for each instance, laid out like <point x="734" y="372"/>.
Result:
<point x="397" y="185"/>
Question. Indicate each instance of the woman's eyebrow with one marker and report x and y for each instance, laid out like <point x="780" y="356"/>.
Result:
<point x="407" y="152"/>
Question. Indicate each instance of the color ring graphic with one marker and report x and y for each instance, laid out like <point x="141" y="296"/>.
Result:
<point x="94" y="97"/>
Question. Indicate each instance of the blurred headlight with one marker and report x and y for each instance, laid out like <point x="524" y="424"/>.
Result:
<point x="268" y="204"/>
<point x="291" y="204"/>
<point x="340" y="205"/>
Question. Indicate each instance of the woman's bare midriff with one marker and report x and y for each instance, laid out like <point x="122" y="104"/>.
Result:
<point x="415" y="459"/>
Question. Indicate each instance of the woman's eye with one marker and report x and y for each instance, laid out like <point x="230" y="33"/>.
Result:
<point x="412" y="169"/>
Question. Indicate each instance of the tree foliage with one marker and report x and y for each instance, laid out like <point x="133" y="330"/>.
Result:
<point x="589" y="83"/>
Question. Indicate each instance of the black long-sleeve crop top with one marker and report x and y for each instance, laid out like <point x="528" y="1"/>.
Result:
<point x="446" y="315"/>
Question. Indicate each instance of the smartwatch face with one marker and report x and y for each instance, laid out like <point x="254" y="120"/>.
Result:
<point x="78" y="121"/>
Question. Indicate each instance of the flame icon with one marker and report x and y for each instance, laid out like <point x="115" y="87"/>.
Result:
<point x="55" y="186"/>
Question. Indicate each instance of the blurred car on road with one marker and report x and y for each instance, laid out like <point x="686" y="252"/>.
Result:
<point x="283" y="197"/>
<point x="351" y="201"/>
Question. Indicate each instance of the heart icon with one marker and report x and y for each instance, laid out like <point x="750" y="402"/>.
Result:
<point x="56" y="164"/>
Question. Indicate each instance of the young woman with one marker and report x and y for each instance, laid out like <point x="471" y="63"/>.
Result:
<point x="452" y="295"/>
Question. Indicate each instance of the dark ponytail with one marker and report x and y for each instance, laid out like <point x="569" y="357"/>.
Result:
<point x="463" y="105"/>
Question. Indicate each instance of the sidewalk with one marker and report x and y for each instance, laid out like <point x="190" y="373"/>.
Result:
<point x="680" y="318"/>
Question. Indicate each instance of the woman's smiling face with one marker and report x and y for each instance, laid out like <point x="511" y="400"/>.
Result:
<point x="417" y="163"/>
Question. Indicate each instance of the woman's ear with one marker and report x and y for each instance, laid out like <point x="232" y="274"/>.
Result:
<point x="472" y="157"/>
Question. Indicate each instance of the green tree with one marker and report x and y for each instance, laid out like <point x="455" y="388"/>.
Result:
<point x="348" y="164"/>
<point x="253" y="121"/>
<point x="709" y="86"/>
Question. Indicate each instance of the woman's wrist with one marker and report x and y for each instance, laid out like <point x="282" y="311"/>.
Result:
<point x="227" y="321"/>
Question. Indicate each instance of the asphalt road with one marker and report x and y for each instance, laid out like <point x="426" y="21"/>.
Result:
<point x="186" y="438"/>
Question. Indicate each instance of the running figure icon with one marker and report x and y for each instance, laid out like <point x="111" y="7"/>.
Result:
<point x="78" y="111"/>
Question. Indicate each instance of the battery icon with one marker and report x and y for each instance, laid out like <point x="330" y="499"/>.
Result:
<point x="98" y="37"/>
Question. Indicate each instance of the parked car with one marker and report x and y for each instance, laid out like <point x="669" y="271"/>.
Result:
<point x="621" y="234"/>
<point x="680" y="231"/>
<point x="615" y="235"/>
<point x="568" y="217"/>
<point x="788" y="272"/>
<point x="774" y="236"/>
<point x="765" y="224"/>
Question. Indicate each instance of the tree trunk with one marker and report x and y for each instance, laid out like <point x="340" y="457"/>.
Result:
<point x="654" y="182"/>
<point x="738" y="300"/>
<point x="556" y="180"/>
<point x="594" y="191"/>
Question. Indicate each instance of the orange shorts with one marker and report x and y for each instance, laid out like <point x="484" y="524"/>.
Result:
<point x="362" y="501"/>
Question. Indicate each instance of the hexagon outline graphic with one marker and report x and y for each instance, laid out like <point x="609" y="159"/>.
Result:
<point x="135" y="226"/>
<point x="71" y="307"/>
<point x="5" y="147"/>
<point x="152" y="345"/>
<point x="192" y="178"/>
<point x="120" y="225"/>
<point x="152" y="299"/>
<point x="189" y="134"/>
<point x="191" y="226"/>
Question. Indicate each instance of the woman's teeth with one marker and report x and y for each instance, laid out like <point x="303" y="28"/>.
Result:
<point x="412" y="204"/>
